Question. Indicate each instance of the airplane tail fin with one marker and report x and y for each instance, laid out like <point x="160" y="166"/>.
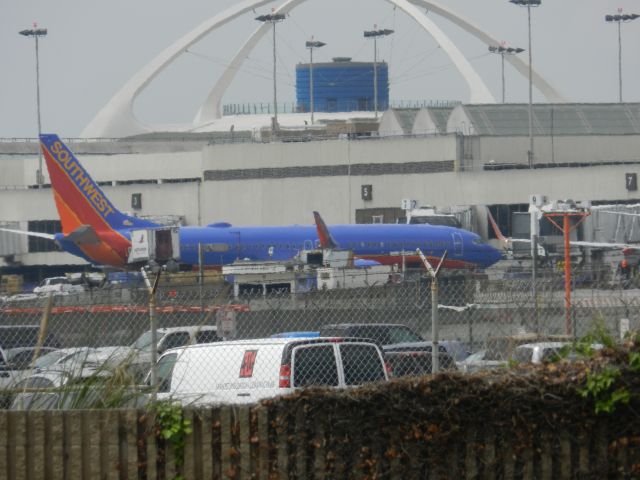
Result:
<point x="495" y="228"/>
<point x="326" y="240"/>
<point x="79" y="200"/>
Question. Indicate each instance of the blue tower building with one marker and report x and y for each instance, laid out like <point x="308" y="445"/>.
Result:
<point x="342" y="86"/>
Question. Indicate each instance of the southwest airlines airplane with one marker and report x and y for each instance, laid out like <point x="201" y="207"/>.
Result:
<point x="94" y="229"/>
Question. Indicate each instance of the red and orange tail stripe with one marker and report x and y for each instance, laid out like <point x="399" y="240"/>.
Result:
<point x="80" y="201"/>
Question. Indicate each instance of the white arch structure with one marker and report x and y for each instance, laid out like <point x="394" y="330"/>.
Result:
<point x="116" y="119"/>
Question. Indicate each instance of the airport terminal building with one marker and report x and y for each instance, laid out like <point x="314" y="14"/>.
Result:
<point x="348" y="166"/>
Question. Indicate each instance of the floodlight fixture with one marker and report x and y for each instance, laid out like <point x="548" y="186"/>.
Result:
<point x="620" y="19"/>
<point x="502" y="51"/>
<point x="273" y="18"/>
<point x="529" y="4"/>
<point x="311" y="44"/>
<point x="375" y="33"/>
<point x="36" y="33"/>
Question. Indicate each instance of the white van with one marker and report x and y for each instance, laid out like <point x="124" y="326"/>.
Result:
<point x="246" y="371"/>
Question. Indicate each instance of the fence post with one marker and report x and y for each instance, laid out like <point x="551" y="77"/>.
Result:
<point x="153" y="325"/>
<point x="435" y="350"/>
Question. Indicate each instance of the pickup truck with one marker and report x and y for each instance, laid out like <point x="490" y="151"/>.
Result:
<point x="406" y="352"/>
<point x="57" y="286"/>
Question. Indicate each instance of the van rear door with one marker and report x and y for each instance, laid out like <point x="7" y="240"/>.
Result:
<point x="361" y="363"/>
<point x="314" y="365"/>
<point x="336" y="364"/>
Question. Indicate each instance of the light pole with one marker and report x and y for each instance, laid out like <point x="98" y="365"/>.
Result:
<point x="37" y="33"/>
<point x="529" y="4"/>
<point x="375" y="34"/>
<point x="273" y="18"/>
<point x="502" y="51"/>
<point x="619" y="19"/>
<point x="311" y="45"/>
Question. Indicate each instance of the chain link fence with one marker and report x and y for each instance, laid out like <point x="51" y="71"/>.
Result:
<point x="279" y="327"/>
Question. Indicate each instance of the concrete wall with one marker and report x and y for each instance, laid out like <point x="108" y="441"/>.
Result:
<point x="278" y="199"/>
<point x="558" y="149"/>
<point x="329" y="152"/>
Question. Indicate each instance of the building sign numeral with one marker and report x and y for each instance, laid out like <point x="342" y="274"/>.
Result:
<point x="366" y="192"/>
<point x="631" y="180"/>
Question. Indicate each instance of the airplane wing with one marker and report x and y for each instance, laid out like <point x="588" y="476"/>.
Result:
<point x="48" y="236"/>
<point x="83" y="235"/>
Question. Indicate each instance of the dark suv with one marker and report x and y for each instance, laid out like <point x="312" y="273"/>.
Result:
<point x="406" y="352"/>
<point x="14" y="336"/>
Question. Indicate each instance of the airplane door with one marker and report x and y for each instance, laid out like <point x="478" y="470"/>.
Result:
<point x="457" y="244"/>
<point x="308" y="245"/>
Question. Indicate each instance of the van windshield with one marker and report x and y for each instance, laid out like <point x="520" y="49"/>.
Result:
<point x="165" y="371"/>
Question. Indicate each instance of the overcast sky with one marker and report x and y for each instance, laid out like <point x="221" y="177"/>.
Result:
<point x="93" y="48"/>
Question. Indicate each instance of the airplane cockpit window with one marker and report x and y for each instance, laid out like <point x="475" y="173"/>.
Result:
<point x="479" y="241"/>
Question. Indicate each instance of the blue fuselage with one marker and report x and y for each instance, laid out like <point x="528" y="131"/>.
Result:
<point x="383" y="243"/>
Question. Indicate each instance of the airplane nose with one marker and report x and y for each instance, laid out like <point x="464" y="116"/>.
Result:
<point x="493" y="255"/>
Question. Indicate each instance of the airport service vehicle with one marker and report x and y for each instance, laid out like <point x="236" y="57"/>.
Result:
<point x="406" y="352"/>
<point x="57" y="286"/>
<point x="94" y="229"/>
<point x="246" y="371"/>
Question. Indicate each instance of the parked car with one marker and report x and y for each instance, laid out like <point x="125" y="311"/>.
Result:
<point x="456" y="349"/>
<point x="480" y="360"/>
<point x="14" y="336"/>
<point x="15" y="363"/>
<point x="56" y="356"/>
<point x="77" y="379"/>
<point x="139" y="354"/>
<point x="542" y="351"/>
<point x="406" y="352"/>
<point x="56" y="389"/>
<point x="246" y="371"/>
<point x="58" y="286"/>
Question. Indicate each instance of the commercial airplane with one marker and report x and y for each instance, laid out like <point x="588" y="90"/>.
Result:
<point x="94" y="229"/>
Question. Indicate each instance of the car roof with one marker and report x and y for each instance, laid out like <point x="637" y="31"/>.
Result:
<point x="269" y="341"/>
<point x="187" y="328"/>
<point x="19" y="326"/>
<point x="342" y="325"/>
<point x="543" y="345"/>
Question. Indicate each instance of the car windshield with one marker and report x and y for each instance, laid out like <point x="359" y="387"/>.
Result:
<point x="475" y="357"/>
<point x="144" y="340"/>
<point x="523" y="354"/>
<point x="404" y="334"/>
<point x="50" y="358"/>
<point x="386" y="334"/>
